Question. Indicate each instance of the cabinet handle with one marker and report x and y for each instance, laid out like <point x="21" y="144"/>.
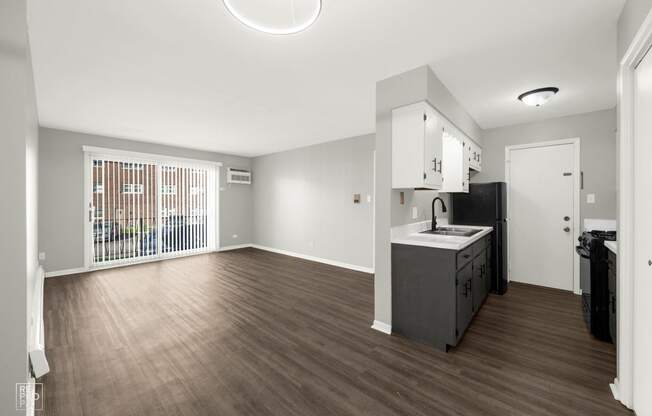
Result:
<point x="434" y="167"/>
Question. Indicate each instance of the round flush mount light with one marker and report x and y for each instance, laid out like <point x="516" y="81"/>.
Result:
<point x="538" y="97"/>
<point x="278" y="17"/>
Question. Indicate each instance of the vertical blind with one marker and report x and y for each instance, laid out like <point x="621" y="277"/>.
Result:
<point x="142" y="209"/>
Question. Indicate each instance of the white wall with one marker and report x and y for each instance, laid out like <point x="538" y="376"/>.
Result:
<point x="61" y="213"/>
<point x="18" y="261"/>
<point x="597" y="133"/>
<point x="303" y="201"/>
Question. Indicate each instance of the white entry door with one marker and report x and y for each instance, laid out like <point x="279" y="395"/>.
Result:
<point x="541" y="214"/>
<point x="642" y="243"/>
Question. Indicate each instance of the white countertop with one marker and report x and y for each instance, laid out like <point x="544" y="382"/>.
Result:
<point x="612" y="245"/>
<point x="410" y="234"/>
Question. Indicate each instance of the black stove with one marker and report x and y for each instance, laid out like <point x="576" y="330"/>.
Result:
<point x="605" y="235"/>
<point x="594" y="281"/>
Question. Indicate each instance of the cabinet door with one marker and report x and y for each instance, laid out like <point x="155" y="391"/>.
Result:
<point x="466" y="166"/>
<point x="480" y="279"/>
<point x="474" y="156"/>
<point x="464" y="299"/>
<point x="488" y="268"/>
<point x="478" y="164"/>
<point x="433" y="149"/>
<point x="478" y="282"/>
<point x="408" y="129"/>
<point x="452" y="166"/>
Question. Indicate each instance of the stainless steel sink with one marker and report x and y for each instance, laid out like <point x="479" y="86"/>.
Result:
<point x="457" y="232"/>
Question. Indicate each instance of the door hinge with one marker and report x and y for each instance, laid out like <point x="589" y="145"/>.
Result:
<point x="457" y="333"/>
<point x="425" y="117"/>
<point x="457" y="281"/>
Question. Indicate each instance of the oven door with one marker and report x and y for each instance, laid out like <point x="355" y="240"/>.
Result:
<point x="585" y="268"/>
<point x="585" y="283"/>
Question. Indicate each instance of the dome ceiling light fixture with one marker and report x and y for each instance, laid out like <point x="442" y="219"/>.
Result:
<point x="279" y="17"/>
<point x="538" y="97"/>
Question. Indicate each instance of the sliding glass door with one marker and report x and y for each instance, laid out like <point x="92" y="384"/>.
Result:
<point x="141" y="209"/>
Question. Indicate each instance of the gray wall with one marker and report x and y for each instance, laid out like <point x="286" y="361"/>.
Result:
<point x="631" y="18"/>
<point x="61" y="212"/>
<point x="18" y="179"/>
<point x="303" y="200"/>
<point x="597" y="133"/>
<point x="407" y="88"/>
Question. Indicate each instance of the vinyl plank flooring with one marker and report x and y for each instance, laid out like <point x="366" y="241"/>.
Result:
<point x="250" y="332"/>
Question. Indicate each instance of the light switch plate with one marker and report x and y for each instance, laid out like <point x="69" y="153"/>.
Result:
<point x="590" y="198"/>
<point x="41" y="256"/>
<point x="415" y="213"/>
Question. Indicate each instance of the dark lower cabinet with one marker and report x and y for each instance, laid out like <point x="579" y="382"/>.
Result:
<point x="465" y="299"/>
<point x="611" y="279"/>
<point x="436" y="292"/>
<point x="480" y="279"/>
<point x="488" y="267"/>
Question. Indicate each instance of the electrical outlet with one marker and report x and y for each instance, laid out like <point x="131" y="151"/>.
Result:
<point x="590" y="198"/>
<point x="415" y="213"/>
<point x="41" y="256"/>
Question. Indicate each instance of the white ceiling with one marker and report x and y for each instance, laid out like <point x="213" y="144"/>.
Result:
<point x="187" y="73"/>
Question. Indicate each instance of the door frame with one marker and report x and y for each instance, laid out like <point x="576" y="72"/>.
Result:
<point x="154" y="158"/>
<point x="623" y="385"/>
<point x="577" y="227"/>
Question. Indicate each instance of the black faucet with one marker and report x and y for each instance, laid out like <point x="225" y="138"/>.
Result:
<point x="434" y="218"/>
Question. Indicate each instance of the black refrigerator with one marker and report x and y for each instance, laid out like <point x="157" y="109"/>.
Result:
<point x="486" y="204"/>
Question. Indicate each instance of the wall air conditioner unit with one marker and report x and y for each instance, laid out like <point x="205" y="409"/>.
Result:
<point x="238" y="176"/>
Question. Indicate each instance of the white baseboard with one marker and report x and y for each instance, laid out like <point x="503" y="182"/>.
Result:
<point x="382" y="327"/>
<point x="66" y="272"/>
<point x="614" y="389"/>
<point x="234" y="247"/>
<point x="357" y="268"/>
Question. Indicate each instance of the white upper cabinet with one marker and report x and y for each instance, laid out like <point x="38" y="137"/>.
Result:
<point x="416" y="147"/>
<point x="475" y="157"/>
<point x="456" y="160"/>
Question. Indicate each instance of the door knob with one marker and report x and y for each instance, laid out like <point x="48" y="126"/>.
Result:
<point x="649" y="262"/>
<point x="567" y="218"/>
<point x="567" y="229"/>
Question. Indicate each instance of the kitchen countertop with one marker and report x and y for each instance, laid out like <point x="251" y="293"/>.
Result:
<point x="410" y="234"/>
<point x="612" y="245"/>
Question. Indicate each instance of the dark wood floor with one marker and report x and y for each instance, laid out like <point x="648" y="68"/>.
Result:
<point x="254" y="333"/>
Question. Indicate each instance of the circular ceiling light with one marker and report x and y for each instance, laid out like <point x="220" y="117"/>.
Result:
<point x="278" y="17"/>
<point x="538" y="97"/>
